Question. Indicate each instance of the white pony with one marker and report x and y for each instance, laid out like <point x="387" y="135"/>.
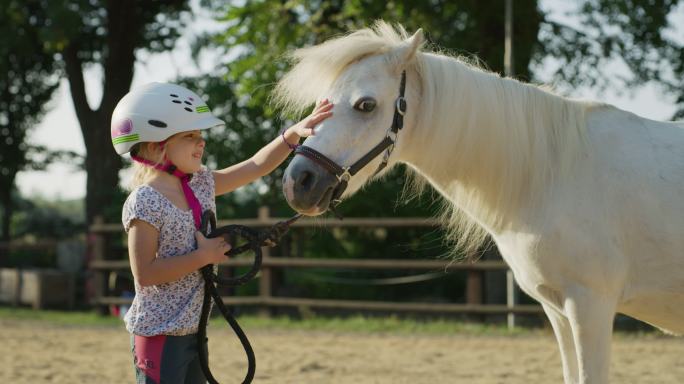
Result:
<point x="584" y="201"/>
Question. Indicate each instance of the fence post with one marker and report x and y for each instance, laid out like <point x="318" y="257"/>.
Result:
<point x="4" y="253"/>
<point x="474" y="287"/>
<point x="18" y="287"/>
<point x="511" y="298"/>
<point x="509" y="71"/>
<point x="266" y="274"/>
<point x="98" y="245"/>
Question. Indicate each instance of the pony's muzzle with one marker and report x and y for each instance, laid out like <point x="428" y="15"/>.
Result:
<point x="308" y="187"/>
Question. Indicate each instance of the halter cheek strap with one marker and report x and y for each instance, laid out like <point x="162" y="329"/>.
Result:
<point x="171" y="169"/>
<point x="343" y="174"/>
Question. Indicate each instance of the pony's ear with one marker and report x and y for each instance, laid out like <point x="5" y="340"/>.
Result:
<point x="407" y="52"/>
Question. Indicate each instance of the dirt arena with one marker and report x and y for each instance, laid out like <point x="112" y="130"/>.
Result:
<point x="40" y="353"/>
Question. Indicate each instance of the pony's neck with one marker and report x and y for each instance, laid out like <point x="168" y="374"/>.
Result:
<point x="489" y="145"/>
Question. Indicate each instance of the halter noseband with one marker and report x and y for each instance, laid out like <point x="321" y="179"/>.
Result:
<point x="343" y="174"/>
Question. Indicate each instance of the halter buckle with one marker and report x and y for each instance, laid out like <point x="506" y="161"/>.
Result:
<point x="400" y="105"/>
<point x="345" y="176"/>
<point x="386" y="156"/>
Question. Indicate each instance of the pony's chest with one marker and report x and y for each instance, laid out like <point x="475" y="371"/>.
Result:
<point x="547" y="259"/>
<point x="530" y="268"/>
<point x="560" y="255"/>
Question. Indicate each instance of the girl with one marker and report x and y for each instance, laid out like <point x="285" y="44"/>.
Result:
<point x="160" y="125"/>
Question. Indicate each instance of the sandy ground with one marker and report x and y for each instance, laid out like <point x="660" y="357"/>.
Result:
<point x="40" y="353"/>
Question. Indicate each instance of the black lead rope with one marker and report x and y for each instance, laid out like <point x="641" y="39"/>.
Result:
<point x="255" y="240"/>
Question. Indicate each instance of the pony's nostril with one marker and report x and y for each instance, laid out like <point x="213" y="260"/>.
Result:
<point x="305" y="180"/>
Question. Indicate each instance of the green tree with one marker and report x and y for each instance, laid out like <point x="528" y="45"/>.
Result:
<point x="48" y="219"/>
<point x="26" y="85"/>
<point x="107" y="34"/>
<point x="638" y="34"/>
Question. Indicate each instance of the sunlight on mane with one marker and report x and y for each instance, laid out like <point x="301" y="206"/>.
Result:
<point x="317" y="67"/>
<point x="502" y="142"/>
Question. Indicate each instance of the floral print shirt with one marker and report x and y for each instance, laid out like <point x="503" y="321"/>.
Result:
<point x="170" y="308"/>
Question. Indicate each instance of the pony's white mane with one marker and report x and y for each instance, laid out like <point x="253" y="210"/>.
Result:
<point x="501" y="143"/>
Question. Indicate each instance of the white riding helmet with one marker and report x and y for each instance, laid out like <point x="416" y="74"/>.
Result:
<point x="157" y="111"/>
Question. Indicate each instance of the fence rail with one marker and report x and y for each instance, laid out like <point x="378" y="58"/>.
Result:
<point x="298" y="262"/>
<point x="271" y="264"/>
<point x="43" y="245"/>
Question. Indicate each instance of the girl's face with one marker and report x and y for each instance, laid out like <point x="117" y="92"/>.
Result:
<point x="185" y="150"/>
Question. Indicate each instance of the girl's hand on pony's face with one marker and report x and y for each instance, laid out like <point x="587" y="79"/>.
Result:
<point x="305" y="127"/>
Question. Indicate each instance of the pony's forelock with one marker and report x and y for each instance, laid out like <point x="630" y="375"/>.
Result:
<point x="316" y="68"/>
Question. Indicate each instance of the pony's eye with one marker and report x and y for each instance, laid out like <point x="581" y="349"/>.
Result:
<point x="366" y="104"/>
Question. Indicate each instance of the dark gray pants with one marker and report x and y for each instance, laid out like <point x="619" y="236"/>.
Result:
<point x="166" y="360"/>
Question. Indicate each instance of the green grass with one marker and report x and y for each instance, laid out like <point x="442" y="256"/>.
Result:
<point x="375" y="325"/>
<point x="355" y="324"/>
<point x="80" y="318"/>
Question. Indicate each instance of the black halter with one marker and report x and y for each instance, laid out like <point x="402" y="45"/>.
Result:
<point x="343" y="174"/>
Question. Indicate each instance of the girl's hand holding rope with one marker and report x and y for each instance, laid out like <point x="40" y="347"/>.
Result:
<point x="211" y="250"/>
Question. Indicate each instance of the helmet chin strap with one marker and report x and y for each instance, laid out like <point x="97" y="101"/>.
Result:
<point x="184" y="178"/>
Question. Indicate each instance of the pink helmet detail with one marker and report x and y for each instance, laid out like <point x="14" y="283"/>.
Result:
<point x="123" y="127"/>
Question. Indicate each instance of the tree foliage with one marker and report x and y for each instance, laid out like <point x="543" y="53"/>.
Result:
<point x="639" y="35"/>
<point x="45" y="41"/>
<point x="82" y="34"/>
<point x="26" y="85"/>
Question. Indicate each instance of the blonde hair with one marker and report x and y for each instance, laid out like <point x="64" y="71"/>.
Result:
<point x="143" y="173"/>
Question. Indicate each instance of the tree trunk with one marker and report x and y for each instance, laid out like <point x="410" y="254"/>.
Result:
<point x="102" y="162"/>
<point x="526" y="21"/>
<point x="102" y="166"/>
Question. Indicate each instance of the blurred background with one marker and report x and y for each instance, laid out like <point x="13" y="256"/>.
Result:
<point x="65" y="64"/>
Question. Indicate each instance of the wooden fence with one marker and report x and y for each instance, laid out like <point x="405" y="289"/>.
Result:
<point x="265" y="299"/>
<point x="22" y="281"/>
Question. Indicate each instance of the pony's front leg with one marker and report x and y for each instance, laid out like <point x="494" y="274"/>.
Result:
<point x="563" y="331"/>
<point x="591" y="319"/>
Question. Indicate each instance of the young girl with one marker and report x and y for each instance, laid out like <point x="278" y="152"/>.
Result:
<point x="160" y="125"/>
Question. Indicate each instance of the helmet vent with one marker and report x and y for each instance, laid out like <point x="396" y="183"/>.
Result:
<point x="188" y="109"/>
<point x="173" y="95"/>
<point x="157" y="123"/>
<point x="176" y="101"/>
<point x="188" y="103"/>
